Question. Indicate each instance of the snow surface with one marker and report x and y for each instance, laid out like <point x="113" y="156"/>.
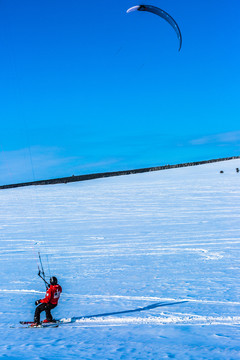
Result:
<point x="118" y="244"/>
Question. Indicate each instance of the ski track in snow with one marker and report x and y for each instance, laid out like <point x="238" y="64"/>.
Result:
<point x="163" y="320"/>
<point x="124" y="243"/>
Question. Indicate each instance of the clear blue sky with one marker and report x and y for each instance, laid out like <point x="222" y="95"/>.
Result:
<point x="85" y="87"/>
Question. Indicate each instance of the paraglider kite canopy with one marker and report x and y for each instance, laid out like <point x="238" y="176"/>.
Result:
<point x="163" y="14"/>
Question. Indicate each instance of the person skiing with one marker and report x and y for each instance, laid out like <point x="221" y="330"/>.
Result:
<point x="49" y="302"/>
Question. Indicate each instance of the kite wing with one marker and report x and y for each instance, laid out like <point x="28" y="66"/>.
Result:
<point x="163" y="14"/>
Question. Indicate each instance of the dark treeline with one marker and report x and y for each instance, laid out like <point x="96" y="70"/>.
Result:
<point x="74" y="178"/>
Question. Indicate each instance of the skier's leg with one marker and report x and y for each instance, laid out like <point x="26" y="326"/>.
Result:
<point x="48" y="313"/>
<point x="48" y="309"/>
<point x="38" y="311"/>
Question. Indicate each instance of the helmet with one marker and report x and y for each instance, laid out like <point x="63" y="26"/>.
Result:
<point x="53" y="280"/>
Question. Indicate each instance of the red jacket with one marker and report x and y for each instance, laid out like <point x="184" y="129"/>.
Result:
<point x="52" y="295"/>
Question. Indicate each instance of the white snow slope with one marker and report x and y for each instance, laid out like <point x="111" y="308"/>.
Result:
<point x="121" y="243"/>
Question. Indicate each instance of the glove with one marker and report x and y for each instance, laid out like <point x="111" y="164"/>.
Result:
<point x="37" y="302"/>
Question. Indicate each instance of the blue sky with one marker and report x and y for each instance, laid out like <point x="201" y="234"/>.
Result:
<point x="85" y="87"/>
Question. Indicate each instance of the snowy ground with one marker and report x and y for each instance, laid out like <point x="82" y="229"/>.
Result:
<point x="122" y="243"/>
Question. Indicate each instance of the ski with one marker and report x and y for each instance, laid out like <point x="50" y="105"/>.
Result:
<point x="31" y="324"/>
<point x="49" y="325"/>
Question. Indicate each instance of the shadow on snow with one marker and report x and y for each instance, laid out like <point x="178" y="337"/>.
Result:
<point x="145" y="308"/>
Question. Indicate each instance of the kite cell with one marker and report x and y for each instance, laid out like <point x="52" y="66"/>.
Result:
<point x="163" y="14"/>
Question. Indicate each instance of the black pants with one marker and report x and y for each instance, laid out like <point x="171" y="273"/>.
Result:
<point x="43" y="307"/>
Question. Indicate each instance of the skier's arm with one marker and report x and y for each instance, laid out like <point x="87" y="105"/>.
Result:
<point x="48" y="297"/>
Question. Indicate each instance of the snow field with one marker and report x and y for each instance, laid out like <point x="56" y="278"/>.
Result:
<point x="122" y="243"/>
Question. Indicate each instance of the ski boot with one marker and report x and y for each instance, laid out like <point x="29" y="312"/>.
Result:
<point x="48" y="321"/>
